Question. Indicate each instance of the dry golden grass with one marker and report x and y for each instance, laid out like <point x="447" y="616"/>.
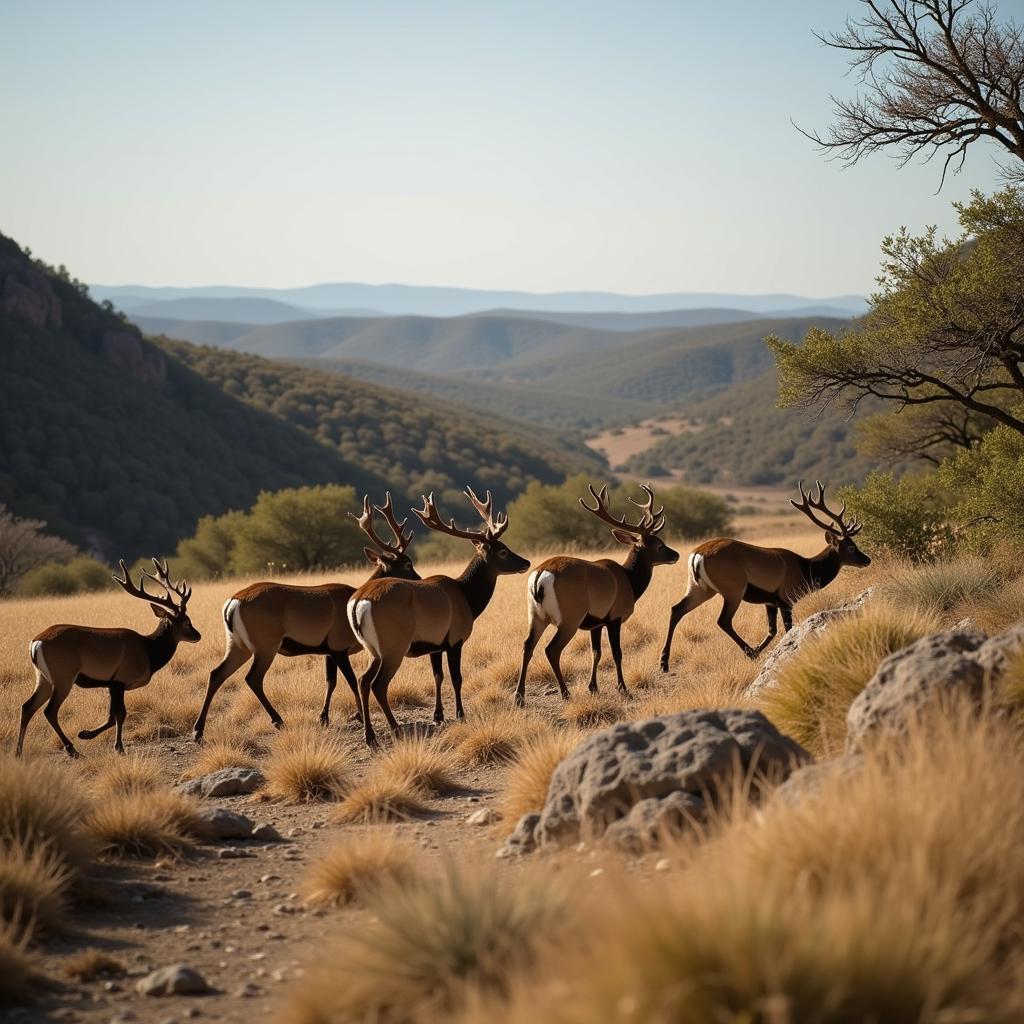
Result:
<point x="422" y="761"/>
<point x="216" y="754"/>
<point x="33" y="886"/>
<point x="588" y="710"/>
<point x="815" y="687"/>
<point x="91" y="964"/>
<point x="494" y="739"/>
<point x="528" y="776"/>
<point x="118" y="775"/>
<point x="307" y="763"/>
<point x="17" y="968"/>
<point x="427" y="950"/>
<point x="380" y="798"/>
<point x="41" y="803"/>
<point x="160" y="822"/>
<point x="351" y="870"/>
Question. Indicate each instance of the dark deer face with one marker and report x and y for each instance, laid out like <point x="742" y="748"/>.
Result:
<point x="179" y="624"/>
<point x="501" y="559"/>
<point x="847" y="550"/>
<point x="391" y="564"/>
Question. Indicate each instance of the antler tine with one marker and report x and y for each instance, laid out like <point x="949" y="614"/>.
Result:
<point x="650" y="516"/>
<point x="163" y="579"/>
<point x="602" y="512"/>
<point x="496" y="526"/>
<point x="124" y="581"/>
<point x="402" y="539"/>
<point x="805" y="505"/>
<point x="430" y="518"/>
<point x="817" y="503"/>
<point x="365" y="523"/>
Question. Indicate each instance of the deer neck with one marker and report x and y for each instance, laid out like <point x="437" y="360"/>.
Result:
<point x="638" y="568"/>
<point x="160" y="646"/>
<point x="477" y="584"/>
<point x="822" y="569"/>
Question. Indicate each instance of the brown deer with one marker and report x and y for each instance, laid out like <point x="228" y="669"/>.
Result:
<point x="575" y="594"/>
<point x="774" y="577"/>
<point x="267" y="619"/>
<point x="112" y="659"/>
<point x="396" y="619"/>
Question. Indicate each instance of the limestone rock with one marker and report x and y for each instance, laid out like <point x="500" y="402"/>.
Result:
<point x="176" y="980"/>
<point x="523" y="839"/>
<point x="218" y="823"/>
<point x="226" y="782"/>
<point x="693" y="753"/>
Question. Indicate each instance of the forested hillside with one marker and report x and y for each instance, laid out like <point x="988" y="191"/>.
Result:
<point x="744" y="438"/>
<point x="121" y="444"/>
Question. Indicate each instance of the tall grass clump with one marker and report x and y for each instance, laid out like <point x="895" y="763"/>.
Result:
<point x="306" y="764"/>
<point x="423" y="761"/>
<point x="893" y="891"/>
<point x="943" y="587"/>
<point x="42" y="804"/>
<point x="815" y="687"/>
<point x="146" y="824"/>
<point x="119" y="775"/>
<point x="351" y="870"/>
<point x="529" y="775"/>
<point x="427" y="951"/>
<point x="380" y="798"/>
<point x="34" y="882"/>
<point x="16" y="966"/>
<point x="493" y="739"/>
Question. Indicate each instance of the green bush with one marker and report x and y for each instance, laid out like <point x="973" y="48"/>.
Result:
<point x="79" y="575"/>
<point x="207" y="554"/>
<point x="907" y="516"/>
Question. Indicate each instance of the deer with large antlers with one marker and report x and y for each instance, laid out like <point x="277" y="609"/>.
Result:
<point x="113" y="659"/>
<point x="267" y="619"/>
<point x="774" y="577"/>
<point x="574" y="594"/>
<point x="396" y="619"/>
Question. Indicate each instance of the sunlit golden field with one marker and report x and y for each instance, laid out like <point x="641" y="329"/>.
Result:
<point x="768" y="915"/>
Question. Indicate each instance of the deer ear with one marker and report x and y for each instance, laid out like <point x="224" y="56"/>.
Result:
<point x="373" y="556"/>
<point x="160" y="613"/>
<point x="623" y="537"/>
<point x="832" y="538"/>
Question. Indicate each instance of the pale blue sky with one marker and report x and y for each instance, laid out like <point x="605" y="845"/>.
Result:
<point x="634" y="146"/>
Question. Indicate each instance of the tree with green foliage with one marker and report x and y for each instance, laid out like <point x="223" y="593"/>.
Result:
<point x="80" y="575"/>
<point x="945" y="330"/>
<point x="209" y="552"/>
<point x="24" y="547"/>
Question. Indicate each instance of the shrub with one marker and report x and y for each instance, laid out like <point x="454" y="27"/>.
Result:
<point x="943" y="586"/>
<point x="815" y="687"/>
<point x="81" y="574"/>
<point x="350" y="871"/>
<point x="306" y="764"/>
<point x="907" y="516"/>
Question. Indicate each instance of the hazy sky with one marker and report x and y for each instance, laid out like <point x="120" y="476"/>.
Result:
<point x="632" y="146"/>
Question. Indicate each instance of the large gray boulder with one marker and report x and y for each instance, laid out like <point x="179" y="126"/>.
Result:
<point x="814" y="625"/>
<point x="226" y="782"/>
<point x="669" y="768"/>
<point x="961" y="663"/>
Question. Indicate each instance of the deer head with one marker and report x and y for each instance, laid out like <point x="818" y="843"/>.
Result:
<point x="839" y="533"/>
<point x="164" y="606"/>
<point x="641" y="535"/>
<point x="390" y="558"/>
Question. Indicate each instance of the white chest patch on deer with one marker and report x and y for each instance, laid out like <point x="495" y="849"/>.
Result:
<point x="360" y="617"/>
<point x="542" y="594"/>
<point x="234" y="625"/>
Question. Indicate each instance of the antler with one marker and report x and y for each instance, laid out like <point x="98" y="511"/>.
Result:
<point x="809" y="505"/>
<point x="162" y="579"/>
<point x="495" y="527"/>
<point x="365" y="521"/>
<point x="430" y="518"/>
<point x="650" y="522"/>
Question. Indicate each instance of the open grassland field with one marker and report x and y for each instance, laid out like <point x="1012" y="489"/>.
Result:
<point x="383" y="903"/>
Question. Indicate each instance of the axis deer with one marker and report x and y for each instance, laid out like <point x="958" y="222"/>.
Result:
<point x="575" y="594"/>
<point x="395" y="619"/>
<point x="267" y="619"/>
<point x="774" y="577"/>
<point x="114" y="659"/>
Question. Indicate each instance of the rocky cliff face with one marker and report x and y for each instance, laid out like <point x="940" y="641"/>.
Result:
<point x="25" y="292"/>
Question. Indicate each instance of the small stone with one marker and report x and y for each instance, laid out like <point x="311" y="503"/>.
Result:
<point x="485" y="816"/>
<point x="319" y="824"/>
<point x="472" y="799"/>
<point x="597" y="872"/>
<point x="266" y="833"/>
<point x="293" y="832"/>
<point x="218" y="823"/>
<point x="112" y="986"/>
<point x="192" y="1012"/>
<point x="247" y="991"/>
<point x="284" y="908"/>
<point x="176" y="980"/>
<point x="663" y="865"/>
<point x="226" y="782"/>
<point x="257" y="956"/>
<point x="241" y="894"/>
<point x="270" y="878"/>
<point x="233" y="853"/>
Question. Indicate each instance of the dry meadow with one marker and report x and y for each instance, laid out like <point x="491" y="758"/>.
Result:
<point x="896" y="894"/>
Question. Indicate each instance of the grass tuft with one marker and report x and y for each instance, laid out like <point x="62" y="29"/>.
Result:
<point x="588" y="710"/>
<point x="815" y="687"/>
<point x="90" y="964"/>
<point x="33" y="886"/>
<point x="119" y="775"/>
<point x="215" y="755"/>
<point x="380" y="798"/>
<point x="421" y="761"/>
<point x="944" y="587"/>
<point x="17" y="970"/>
<point x="529" y="775"/>
<point x="350" y="871"/>
<point x="145" y="824"/>
<point x="492" y="740"/>
<point x="306" y="764"/>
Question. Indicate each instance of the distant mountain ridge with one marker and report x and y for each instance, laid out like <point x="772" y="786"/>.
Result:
<point x="417" y="300"/>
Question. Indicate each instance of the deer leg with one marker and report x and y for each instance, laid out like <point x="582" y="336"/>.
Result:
<point x="554" y="654"/>
<point x="595" y="646"/>
<point x="365" y="685"/>
<point x="691" y="599"/>
<point x="379" y="686"/>
<point x="437" y="667"/>
<point x="91" y="734"/>
<point x="787" y="617"/>
<point x="254" y="680"/>
<point x="39" y="696"/>
<point x="615" y="643"/>
<point x="344" y="663"/>
<point x="455" y="671"/>
<point x="50" y="713"/>
<point x="773" y="614"/>
<point x="729" y="608"/>
<point x="537" y="627"/>
<point x="234" y="658"/>
<point x="120" y="713"/>
<point x="331" y="678"/>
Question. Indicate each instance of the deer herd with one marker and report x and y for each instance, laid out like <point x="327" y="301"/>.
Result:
<point x="396" y="614"/>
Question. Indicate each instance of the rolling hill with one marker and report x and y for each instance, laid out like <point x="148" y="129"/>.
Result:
<point x="240" y="310"/>
<point x="122" y="444"/>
